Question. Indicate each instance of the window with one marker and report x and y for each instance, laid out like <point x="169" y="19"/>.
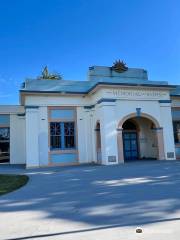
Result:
<point x="55" y="135"/>
<point x="62" y="135"/>
<point x="69" y="135"/>
<point x="4" y="144"/>
<point x="176" y="127"/>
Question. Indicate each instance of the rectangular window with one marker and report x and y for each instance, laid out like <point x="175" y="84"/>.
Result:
<point x="176" y="128"/>
<point x="62" y="135"/>
<point x="55" y="135"/>
<point x="4" y="144"/>
<point x="69" y="135"/>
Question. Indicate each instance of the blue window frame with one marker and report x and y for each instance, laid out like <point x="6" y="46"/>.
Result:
<point x="62" y="135"/>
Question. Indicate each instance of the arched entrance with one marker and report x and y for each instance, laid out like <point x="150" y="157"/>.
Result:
<point x="98" y="142"/>
<point x="130" y="140"/>
<point x="140" y="138"/>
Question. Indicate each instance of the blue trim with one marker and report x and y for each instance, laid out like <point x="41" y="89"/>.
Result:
<point x="165" y="101"/>
<point x="63" y="158"/>
<point x="131" y="84"/>
<point x="138" y="112"/>
<point x="97" y="129"/>
<point x="106" y="100"/>
<point x="97" y="84"/>
<point x="4" y="119"/>
<point x="89" y="107"/>
<point x="38" y="91"/>
<point x="174" y="95"/>
<point x="156" y="129"/>
<point x="119" y="129"/>
<point x="26" y="107"/>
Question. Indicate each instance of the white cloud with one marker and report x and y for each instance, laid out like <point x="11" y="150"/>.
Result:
<point x="2" y="95"/>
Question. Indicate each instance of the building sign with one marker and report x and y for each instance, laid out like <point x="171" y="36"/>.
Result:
<point x="111" y="158"/>
<point x="124" y="93"/>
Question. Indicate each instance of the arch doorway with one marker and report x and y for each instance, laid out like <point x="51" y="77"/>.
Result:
<point x="140" y="138"/>
<point x="130" y="141"/>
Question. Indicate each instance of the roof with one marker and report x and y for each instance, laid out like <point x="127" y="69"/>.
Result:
<point x="97" y="76"/>
<point x="176" y="91"/>
<point x="11" y="109"/>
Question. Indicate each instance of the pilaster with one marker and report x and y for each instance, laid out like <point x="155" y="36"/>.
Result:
<point x="108" y="133"/>
<point x="32" y="133"/>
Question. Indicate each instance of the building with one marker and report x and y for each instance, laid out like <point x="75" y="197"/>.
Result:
<point x="113" y="117"/>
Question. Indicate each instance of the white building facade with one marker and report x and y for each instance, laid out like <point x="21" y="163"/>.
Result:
<point x="111" y="118"/>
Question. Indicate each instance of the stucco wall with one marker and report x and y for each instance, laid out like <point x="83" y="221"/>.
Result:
<point x="32" y="137"/>
<point x="166" y="121"/>
<point x="43" y="136"/>
<point x="108" y="113"/>
<point x="147" y="139"/>
<point x="17" y="139"/>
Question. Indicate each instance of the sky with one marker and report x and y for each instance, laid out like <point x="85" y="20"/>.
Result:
<point x="70" y="35"/>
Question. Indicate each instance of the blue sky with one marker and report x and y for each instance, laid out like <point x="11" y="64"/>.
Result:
<point x="71" y="35"/>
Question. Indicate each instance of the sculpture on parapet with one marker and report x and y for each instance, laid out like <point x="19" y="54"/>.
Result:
<point x="119" y="66"/>
<point x="50" y="76"/>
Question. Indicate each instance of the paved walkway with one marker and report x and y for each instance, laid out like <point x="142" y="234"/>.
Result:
<point x="94" y="202"/>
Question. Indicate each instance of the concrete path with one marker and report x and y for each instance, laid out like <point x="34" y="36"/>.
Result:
<point x="94" y="202"/>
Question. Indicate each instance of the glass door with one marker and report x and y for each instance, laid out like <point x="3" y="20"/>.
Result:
<point x="4" y="144"/>
<point x="130" y="146"/>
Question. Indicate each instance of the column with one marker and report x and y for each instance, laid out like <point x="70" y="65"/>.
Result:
<point x="32" y="133"/>
<point x="108" y="133"/>
<point x="160" y="142"/>
<point x="168" y="136"/>
<point x="43" y="136"/>
<point x="120" y="145"/>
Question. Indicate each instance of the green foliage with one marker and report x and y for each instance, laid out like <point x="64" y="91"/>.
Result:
<point x="9" y="183"/>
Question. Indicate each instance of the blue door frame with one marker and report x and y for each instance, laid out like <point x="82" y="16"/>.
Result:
<point x="130" y="145"/>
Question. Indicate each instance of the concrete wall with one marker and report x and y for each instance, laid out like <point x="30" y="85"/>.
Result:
<point x="32" y="137"/>
<point x="84" y="139"/>
<point x="37" y="137"/>
<point x="17" y="132"/>
<point x="109" y="148"/>
<point x="147" y="139"/>
<point x="109" y="114"/>
<point x="159" y="111"/>
<point x="43" y="136"/>
<point x="166" y="122"/>
<point x="17" y="139"/>
<point x="29" y="134"/>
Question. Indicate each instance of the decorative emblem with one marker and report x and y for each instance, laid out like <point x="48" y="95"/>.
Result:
<point x="119" y="66"/>
<point x="47" y="75"/>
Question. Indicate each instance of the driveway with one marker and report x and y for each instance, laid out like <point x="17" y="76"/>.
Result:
<point x="94" y="202"/>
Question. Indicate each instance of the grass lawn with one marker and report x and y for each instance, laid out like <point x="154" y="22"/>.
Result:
<point x="9" y="183"/>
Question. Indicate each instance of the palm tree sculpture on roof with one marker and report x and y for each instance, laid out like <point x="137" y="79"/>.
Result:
<point x="49" y="76"/>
